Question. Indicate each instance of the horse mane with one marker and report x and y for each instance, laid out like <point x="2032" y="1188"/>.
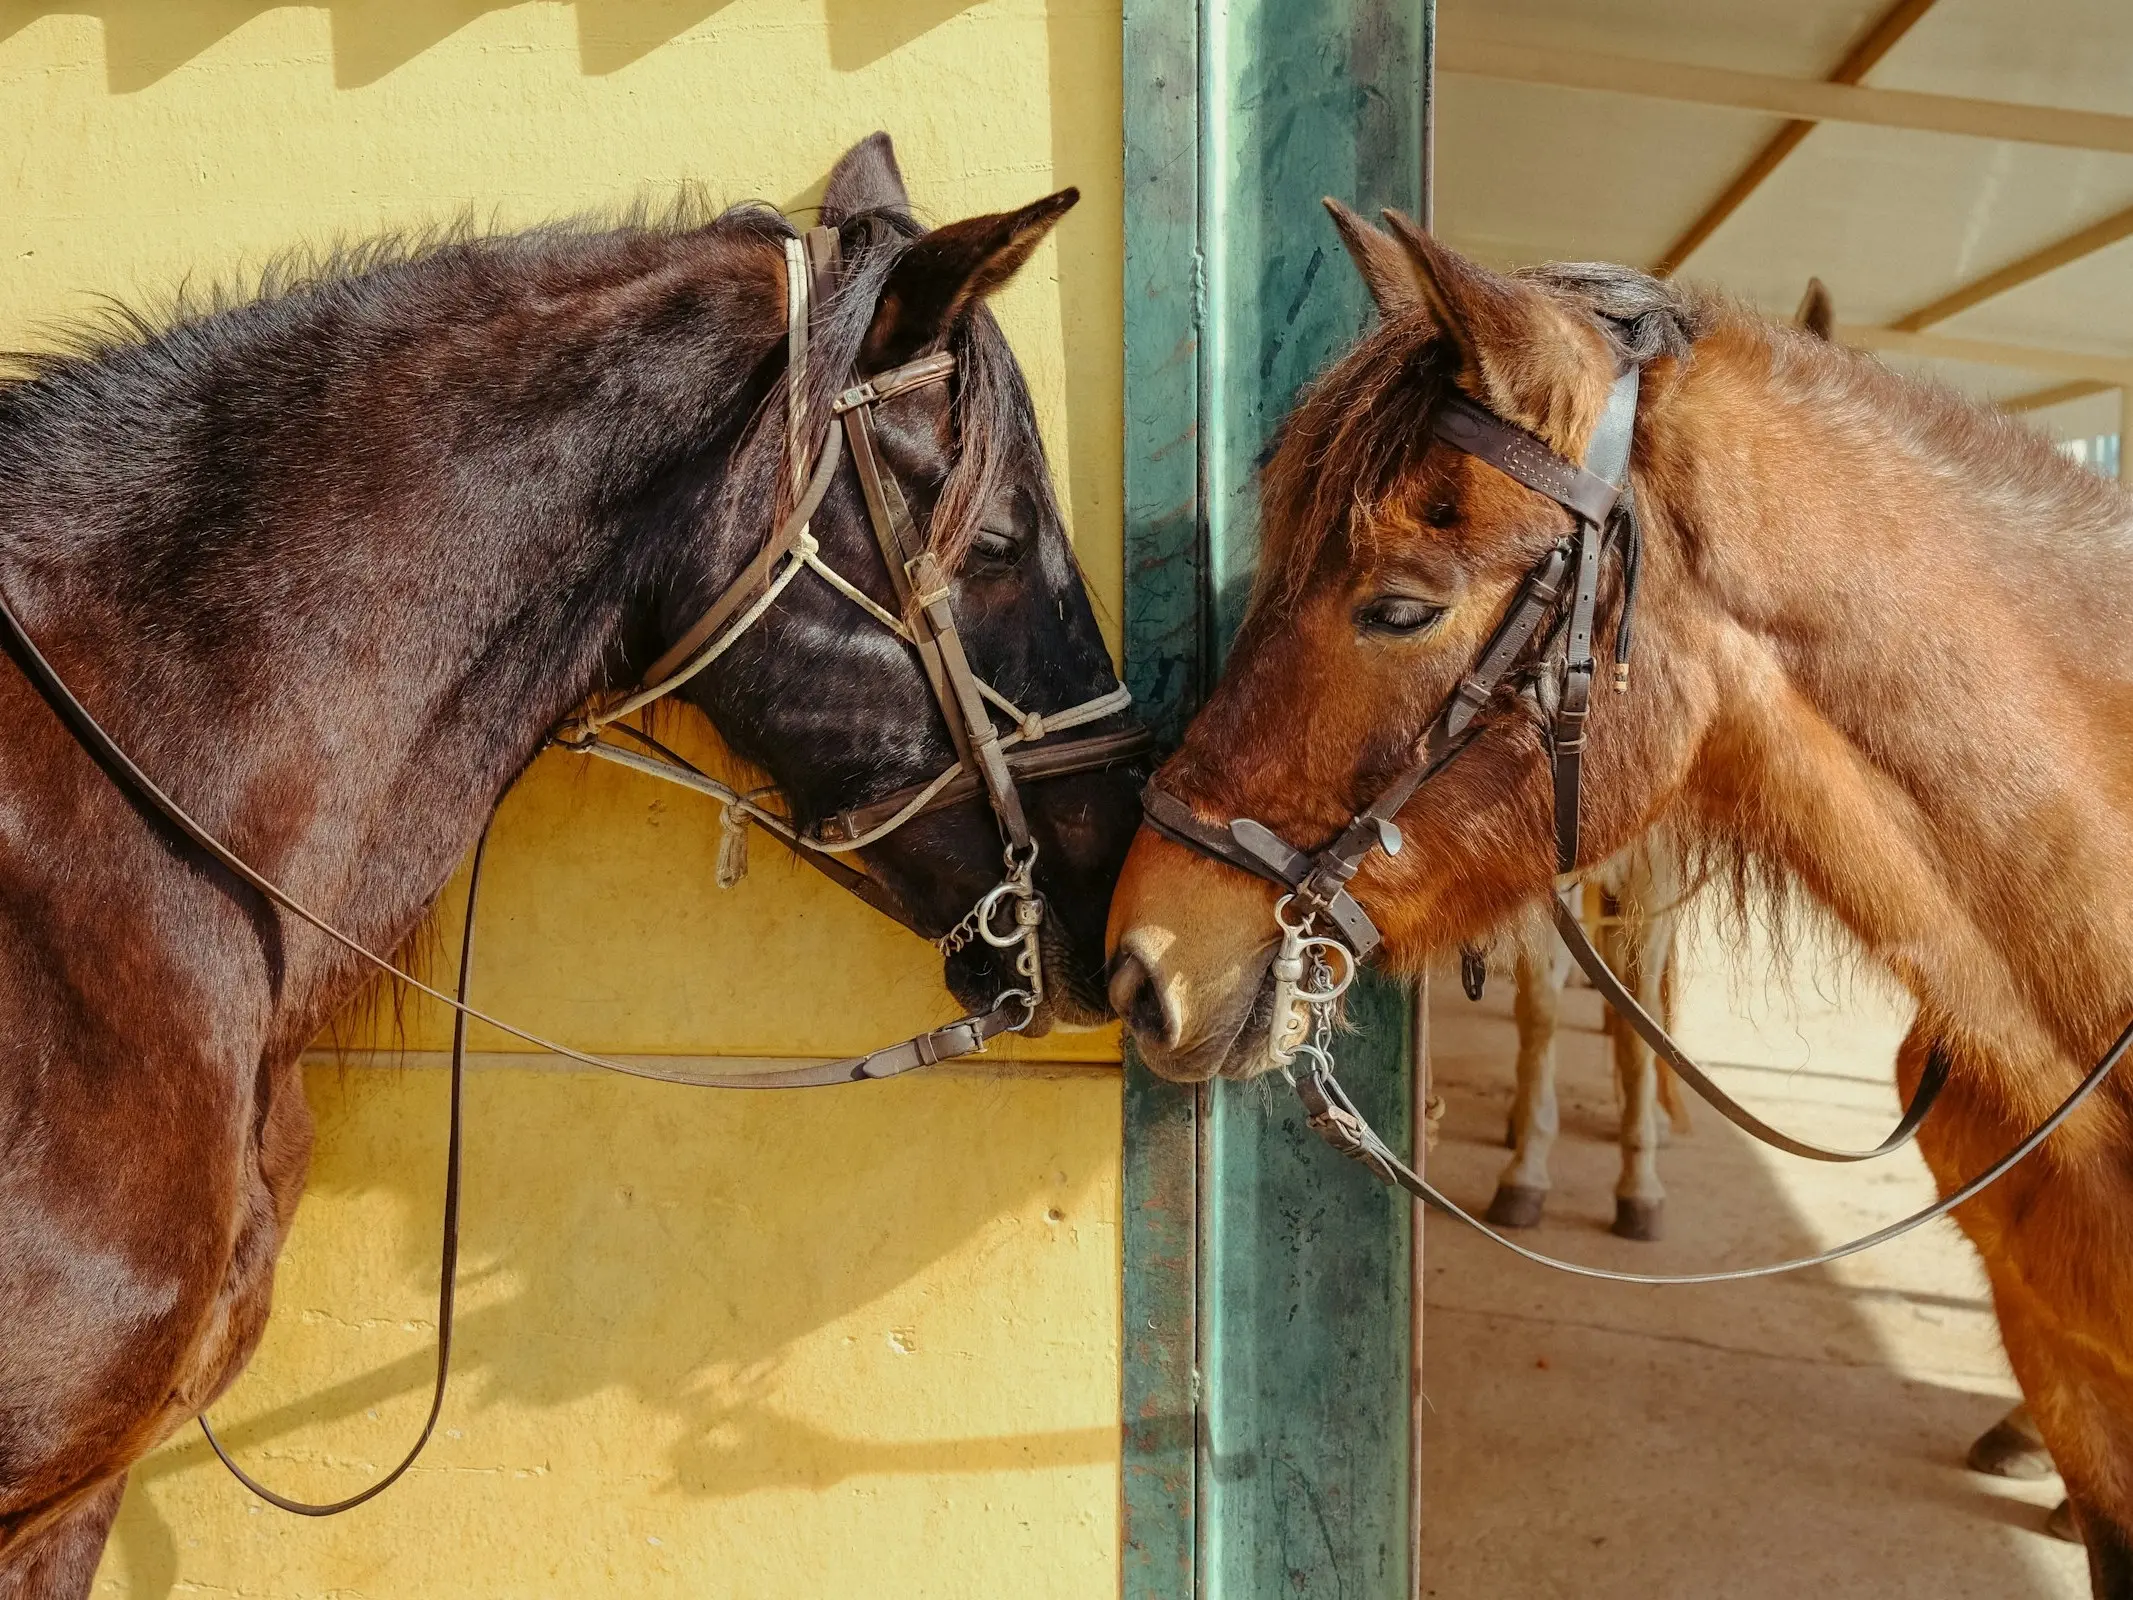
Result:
<point x="119" y="356"/>
<point x="193" y="319"/>
<point x="2026" y="486"/>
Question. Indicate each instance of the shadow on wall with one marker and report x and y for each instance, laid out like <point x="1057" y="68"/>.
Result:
<point x="669" y="1245"/>
<point x="146" y="40"/>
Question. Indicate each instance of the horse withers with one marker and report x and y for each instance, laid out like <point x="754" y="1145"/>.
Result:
<point x="329" y="565"/>
<point x="1882" y="649"/>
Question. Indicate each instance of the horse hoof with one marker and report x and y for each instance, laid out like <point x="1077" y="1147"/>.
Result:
<point x="1516" y="1206"/>
<point x="2060" y="1524"/>
<point x="2003" y="1451"/>
<point x="1640" y="1219"/>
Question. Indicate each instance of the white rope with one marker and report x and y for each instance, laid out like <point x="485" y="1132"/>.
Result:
<point x="796" y="321"/>
<point x="795" y="563"/>
<point x="1047" y="723"/>
<point x="734" y="800"/>
<point x="860" y="598"/>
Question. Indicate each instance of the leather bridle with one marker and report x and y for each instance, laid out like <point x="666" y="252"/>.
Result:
<point x="1306" y="984"/>
<point x="986" y="759"/>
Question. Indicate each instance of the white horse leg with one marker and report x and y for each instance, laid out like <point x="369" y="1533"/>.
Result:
<point x="1668" y="889"/>
<point x="1522" y="1191"/>
<point x="1644" y="943"/>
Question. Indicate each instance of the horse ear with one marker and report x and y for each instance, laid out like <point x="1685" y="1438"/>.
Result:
<point x="1497" y="324"/>
<point x="865" y="178"/>
<point x="1387" y="273"/>
<point x="1818" y="312"/>
<point x="946" y="272"/>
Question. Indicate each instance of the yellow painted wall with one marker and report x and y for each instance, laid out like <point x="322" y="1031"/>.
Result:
<point x="855" y="1342"/>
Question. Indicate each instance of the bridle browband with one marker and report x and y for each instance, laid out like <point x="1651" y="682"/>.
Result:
<point x="1306" y="986"/>
<point x="997" y="760"/>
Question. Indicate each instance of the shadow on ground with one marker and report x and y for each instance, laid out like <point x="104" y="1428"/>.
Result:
<point x="1799" y="1436"/>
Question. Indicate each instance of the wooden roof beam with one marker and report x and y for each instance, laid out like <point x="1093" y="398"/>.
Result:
<point x="2107" y="371"/>
<point x="2097" y="236"/>
<point x="1761" y="94"/>
<point x="1858" y="61"/>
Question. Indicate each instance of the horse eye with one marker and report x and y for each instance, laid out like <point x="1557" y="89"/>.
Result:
<point x="996" y="544"/>
<point x="1442" y="514"/>
<point x="1397" y="614"/>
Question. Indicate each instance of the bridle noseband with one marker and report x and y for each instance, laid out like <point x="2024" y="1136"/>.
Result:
<point x="1312" y="970"/>
<point x="987" y="760"/>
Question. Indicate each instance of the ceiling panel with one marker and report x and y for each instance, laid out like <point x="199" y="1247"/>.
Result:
<point x="1802" y="38"/>
<point x="1890" y="219"/>
<point x="1526" y="173"/>
<point x="2085" y="305"/>
<point x="2073" y="53"/>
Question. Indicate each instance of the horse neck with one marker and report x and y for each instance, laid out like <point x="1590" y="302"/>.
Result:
<point x="1908" y="623"/>
<point x="428" y="570"/>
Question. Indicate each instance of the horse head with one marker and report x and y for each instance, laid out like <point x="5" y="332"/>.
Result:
<point x="848" y="718"/>
<point x="1388" y="560"/>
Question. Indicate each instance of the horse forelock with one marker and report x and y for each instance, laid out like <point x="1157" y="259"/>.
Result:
<point x="1364" y="424"/>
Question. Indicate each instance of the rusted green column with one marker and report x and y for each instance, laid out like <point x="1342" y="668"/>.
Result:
<point x="1267" y="1281"/>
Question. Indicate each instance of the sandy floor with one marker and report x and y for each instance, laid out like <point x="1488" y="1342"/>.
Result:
<point x="1797" y="1437"/>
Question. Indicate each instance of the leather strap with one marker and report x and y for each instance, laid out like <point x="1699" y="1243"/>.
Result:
<point x="1574" y="701"/>
<point x="897" y="536"/>
<point x="1618" y="995"/>
<point x="915" y="374"/>
<point x="966" y="1036"/>
<point x="1333" y="1116"/>
<point x="672" y="667"/>
<point x="1026" y="763"/>
<point x="1469" y="426"/>
<point x="447" y="1252"/>
<point x="925" y="592"/>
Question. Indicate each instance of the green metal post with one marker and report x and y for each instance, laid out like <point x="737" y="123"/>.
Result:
<point x="1281" y="1271"/>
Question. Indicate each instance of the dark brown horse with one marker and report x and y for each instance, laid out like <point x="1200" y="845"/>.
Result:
<point x="329" y="565"/>
<point x="1884" y="648"/>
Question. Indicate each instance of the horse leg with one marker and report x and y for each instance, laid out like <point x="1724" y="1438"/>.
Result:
<point x="1667" y="892"/>
<point x="2011" y="1448"/>
<point x="2062" y="1285"/>
<point x="1522" y="1191"/>
<point x="59" y="1561"/>
<point x="1643" y="943"/>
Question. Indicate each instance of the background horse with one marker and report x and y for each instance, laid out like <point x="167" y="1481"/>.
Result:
<point x="330" y="565"/>
<point x="1641" y="890"/>
<point x="1885" y="649"/>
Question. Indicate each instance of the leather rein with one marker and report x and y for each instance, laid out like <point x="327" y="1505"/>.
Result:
<point x="1312" y="969"/>
<point x="987" y="760"/>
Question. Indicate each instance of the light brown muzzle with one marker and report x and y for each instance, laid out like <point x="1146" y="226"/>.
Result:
<point x="1191" y="941"/>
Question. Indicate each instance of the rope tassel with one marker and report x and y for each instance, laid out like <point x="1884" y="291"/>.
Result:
<point x="732" y="846"/>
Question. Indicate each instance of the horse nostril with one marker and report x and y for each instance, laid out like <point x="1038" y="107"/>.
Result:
<point x="1138" y="1000"/>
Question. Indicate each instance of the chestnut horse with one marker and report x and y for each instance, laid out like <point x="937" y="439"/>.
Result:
<point x="329" y="565"/>
<point x="1884" y="646"/>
